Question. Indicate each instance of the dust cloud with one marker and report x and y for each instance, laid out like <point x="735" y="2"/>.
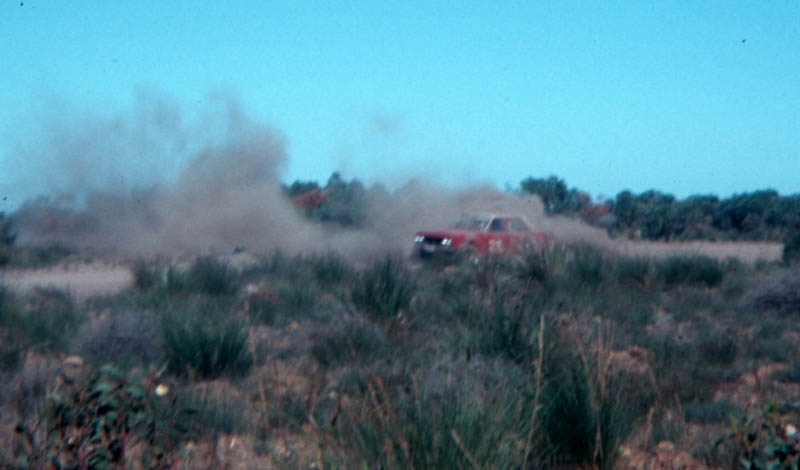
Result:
<point x="154" y="181"/>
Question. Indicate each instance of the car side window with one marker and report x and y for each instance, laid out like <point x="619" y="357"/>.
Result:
<point x="496" y="225"/>
<point x="516" y="225"/>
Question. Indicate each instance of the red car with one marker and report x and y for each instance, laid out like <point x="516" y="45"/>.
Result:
<point x="480" y="234"/>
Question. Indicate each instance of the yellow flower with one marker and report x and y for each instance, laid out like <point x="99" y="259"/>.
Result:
<point x="162" y="390"/>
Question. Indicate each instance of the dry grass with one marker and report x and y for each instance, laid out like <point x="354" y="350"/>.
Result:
<point x="746" y="252"/>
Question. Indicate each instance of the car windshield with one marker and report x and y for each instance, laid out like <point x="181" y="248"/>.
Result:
<point x="472" y="222"/>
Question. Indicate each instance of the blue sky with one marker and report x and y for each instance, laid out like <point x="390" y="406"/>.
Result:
<point x="684" y="97"/>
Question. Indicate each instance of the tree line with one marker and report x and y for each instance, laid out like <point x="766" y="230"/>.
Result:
<point x="763" y="215"/>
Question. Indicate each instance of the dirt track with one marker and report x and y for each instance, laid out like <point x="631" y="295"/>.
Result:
<point x="89" y="279"/>
<point x="746" y="252"/>
<point x="84" y="280"/>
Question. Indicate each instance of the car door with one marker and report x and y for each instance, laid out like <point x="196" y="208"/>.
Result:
<point x="500" y="239"/>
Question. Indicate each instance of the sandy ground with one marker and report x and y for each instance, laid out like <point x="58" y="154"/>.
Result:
<point x="747" y="252"/>
<point x="89" y="279"/>
<point x="81" y="280"/>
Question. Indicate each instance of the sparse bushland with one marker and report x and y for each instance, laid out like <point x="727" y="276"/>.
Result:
<point x="384" y="290"/>
<point x="125" y="339"/>
<point x="547" y="358"/>
<point x="777" y="292"/>
<point x="697" y="271"/>
<point x="7" y="238"/>
<point x="43" y="322"/>
<point x="791" y="248"/>
<point x="103" y="419"/>
<point x="207" y="275"/>
<point x="202" y="339"/>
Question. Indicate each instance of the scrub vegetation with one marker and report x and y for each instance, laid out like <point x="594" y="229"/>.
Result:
<point x="566" y="357"/>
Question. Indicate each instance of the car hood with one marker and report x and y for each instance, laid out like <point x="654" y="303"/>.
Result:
<point x="447" y="233"/>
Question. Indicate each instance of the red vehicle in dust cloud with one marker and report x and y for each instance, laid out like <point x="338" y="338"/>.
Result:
<point x="480" y="234"/>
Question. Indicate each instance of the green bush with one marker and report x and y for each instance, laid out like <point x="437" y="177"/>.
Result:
<point x="790" y="374"/>
<point x="773" y="349"/>
<point x="95" y="421"/>
<point x="203" y="341"/>
<point x="174" y="281"/>
<point x="710" y="412"/>
<point x="145" y="274"/>
<point x="504" y="330"/>
<point x="347" y="339"/>
<point x="533" y="265"/>
<point x="587" y="266"/>
<point x="430" y="431"/>
<point x="700" y="271"/>
<point x="717" y="348"/>
<point x="215" y="411"/>
<point x="211" y="276"/>
<point x="292" y="301"/>
<point x="10" y="321"/>
<point x="587" y="412"/>
<point x="791" y="248"/>
<point x="330" y="268"/>
<point x="678" y="372"/>
<point x="7" y="238"/>
<point x="124" y="339"/>
<point x="633" y="271"/>
<point x="760" y="440"/>
<point x="779" y="292"/>
<point x="45" y="321"/>
<point x="384" y="290"/>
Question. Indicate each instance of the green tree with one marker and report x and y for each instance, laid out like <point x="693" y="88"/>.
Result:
<point x="7" y="238"/>
<point x="555" y="195"/>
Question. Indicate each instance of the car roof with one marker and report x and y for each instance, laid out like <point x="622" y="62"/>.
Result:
<point x="495" y="215"/>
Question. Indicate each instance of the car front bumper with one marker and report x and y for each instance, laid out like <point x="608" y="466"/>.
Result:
<point x="427" y="249"/>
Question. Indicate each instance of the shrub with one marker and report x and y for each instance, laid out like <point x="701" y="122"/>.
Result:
<point x="765" y="439"/>
<point x="26" y="388"/>
<point x="588" y="410"/>
<point x="384" y="289"/>
<point x="46" y="322"/>
<point x="288" y="302"/>
<point x="678" y="372"/>
<point x="460" y="429"/>
<point x="503" y="331"/>
<point x="174" y="281"/>
<point x="710" y="412"/>
<point x="123" y="339"/>
<point x="779" y="292"/>
<point x="145" y="275"/>
<point x="7" y="238"/>
<point x="717" y="348"/>
<point x="215" y="409"/>
<point x="10" y="321"/>
<point x="587" y="266"/>
<point x="533" y="265"/>
<point x="96" y="421"/>
<point x="211" y="276"/>
<point x="699" y="271"/>
<point x="791" y="248"/>
<point x="297" y="300"/>
<point x="633" y="271"/>
<point x="773" y="349"/>
<point x="790" y="374"/>
<point x="204" y="342"/>
<point x="348" y="339"/>
<point x="330" y="268"/>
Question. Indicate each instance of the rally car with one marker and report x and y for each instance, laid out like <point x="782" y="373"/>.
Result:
<point x="480" y="234"/>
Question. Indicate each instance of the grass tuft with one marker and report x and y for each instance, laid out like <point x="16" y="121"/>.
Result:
<point x="201" y="341"/>
<point x="384" y="290"/>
